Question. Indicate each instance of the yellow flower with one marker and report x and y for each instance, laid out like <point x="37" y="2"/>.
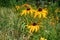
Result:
<point x="42" y="38"/>
<point x="27" y="11"/>
<point x="17" y="7"/>
<point x="41" y="13"/>
<point x="33" y="27"/>
<point x="57" y="10"/>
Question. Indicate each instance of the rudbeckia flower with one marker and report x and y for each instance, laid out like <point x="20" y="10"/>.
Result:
<point x="41" y="13"/>
<point x="17" y="7"/>
<point x="27" y="11"/>
<point x="33" y="27"/>
<point x="42" y="38"/>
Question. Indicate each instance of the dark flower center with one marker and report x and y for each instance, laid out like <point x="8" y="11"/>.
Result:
<point x="28" y="8"/>
<point x="34" y="24"/>
<point x="40" y="9"/>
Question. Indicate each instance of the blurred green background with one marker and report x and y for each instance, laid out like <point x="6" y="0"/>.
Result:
<point x="8" y="3"/>
<point x="12" y="25"/>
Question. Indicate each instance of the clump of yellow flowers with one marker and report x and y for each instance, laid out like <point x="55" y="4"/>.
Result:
<point x="40" y="12"/>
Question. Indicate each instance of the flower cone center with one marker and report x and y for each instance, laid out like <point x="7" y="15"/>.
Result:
<point x="28" y="8"/>
<point x="40" y="9"/>
<point x="34" y="24"/>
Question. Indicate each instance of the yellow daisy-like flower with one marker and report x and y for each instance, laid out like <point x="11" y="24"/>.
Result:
<point x="33" y="27"/>
<point x="17" y="7"/>
<point x="42" y="38"/>
<point x="27" y="11"/>
<point x="41" y="13"/>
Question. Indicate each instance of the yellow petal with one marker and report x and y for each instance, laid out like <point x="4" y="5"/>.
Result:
<point x="44" y="15"/>
<point x="31" y="11"/>
<point x="28" y="27"/>
<point x="28" y="12"/>
<point x="37" y="28"/>
<point x="23" y="12"/>
<point x="40" y="15"/>
<point x="31" y="29"/>
<point x="36" y="14"/>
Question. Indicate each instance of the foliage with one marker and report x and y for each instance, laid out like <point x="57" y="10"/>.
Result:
<point x="14" y="26"/>
<point x="7" y="3"/>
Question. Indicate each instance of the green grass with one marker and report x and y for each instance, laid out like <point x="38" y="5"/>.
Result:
<point x="12" y="27"/>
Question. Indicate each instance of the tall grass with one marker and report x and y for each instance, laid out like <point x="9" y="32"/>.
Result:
<point x="12" y="27"/>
